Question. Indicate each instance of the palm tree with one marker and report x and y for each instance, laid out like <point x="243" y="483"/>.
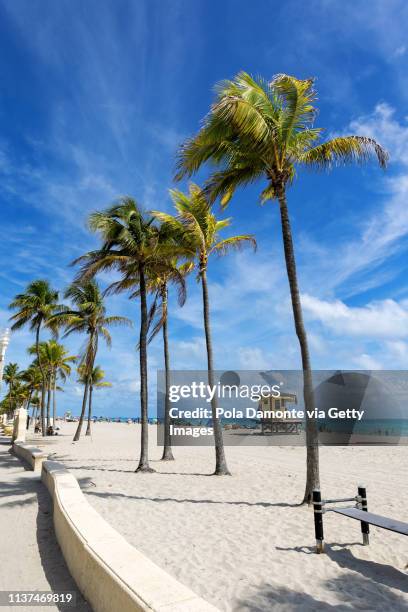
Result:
<point x="264" y="130"/>
<point x="88" y="316"/>
<point x="96" y="381"/>
<point x="198" y="229"/>
<point x="34" y="308"/>
<point x="11" y="377"/>
<point x="158" y="282"/>
<point x="131" y="246"/>
<point x="57" y="363"/>
<point x="33" y="381"/>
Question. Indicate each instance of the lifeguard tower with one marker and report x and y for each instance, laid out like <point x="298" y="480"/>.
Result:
<point x="273" y="422"/>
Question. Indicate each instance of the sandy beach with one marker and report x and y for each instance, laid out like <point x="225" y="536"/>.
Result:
<point x="243" y="542"/>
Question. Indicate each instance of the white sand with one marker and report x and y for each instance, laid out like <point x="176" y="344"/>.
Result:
<point x="242" y="542"/>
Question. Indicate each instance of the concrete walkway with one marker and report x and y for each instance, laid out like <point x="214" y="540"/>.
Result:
<point x="30" y="558"/>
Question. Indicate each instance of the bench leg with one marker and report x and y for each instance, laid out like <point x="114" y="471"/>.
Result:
<point x="318" y="520"/>
<point x="365" y="527"/>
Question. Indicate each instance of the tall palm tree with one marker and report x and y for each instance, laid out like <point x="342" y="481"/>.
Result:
<point x="96" y="381"/>
<point x="265" y="130"/>
<point x="12" y="377"/>
<point x="199" y="229"/>
<point x="88" y="316"/>
<point x="158" y="282"/>
<point x="34" y="308"/>
<point x="131" y="246"/>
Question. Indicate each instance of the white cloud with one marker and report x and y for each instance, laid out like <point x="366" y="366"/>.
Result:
<point x="366" y="362"/>
<point x="380" y="319"/>
<point x="382" y="125"/>
<point x="253" y="359"/>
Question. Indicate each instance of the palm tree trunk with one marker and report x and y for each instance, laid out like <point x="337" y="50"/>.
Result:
<point x="49" y="402"/>
<point x="54" y="400"/>
<point x="144" y="442"/>
<point x="81" y="418"/>
<point x="312" y="442"/>
<point x="28" y="407"/>
<point x="221" y="468"/>
<point x="37" y="348"/>
<point x="167" y="450"/>
<point x="11" y="399"/>
<point x="88" y="427"/>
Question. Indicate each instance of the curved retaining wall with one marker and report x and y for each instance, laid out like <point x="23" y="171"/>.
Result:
<point x="30" y="454"/>
<point x="111" y="574"/>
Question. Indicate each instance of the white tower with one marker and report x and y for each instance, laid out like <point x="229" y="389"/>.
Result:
<point x="4" y="340"/>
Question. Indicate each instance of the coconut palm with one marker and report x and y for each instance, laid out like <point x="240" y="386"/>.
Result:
<point x="159" y="286"/>
<point x="33" y="380"/>
<point x="198" y="230"/>
<point x="96" y="381"/>
<point x="158" y="281"/>
<point x="12" y="377"/>
<point x="130" y="245"/>
<point x="57" y="363"/>
<point x="35" y="308"/>
<point x="88" y="316"/>
<point x="265" y="130"/>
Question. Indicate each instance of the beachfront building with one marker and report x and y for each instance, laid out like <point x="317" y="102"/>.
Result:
<point x="276" y="419"/>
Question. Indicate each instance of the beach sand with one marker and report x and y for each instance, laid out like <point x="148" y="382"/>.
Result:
<point x="243" y="542"/>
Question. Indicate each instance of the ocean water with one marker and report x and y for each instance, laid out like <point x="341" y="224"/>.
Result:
<point x="387" y="427"/>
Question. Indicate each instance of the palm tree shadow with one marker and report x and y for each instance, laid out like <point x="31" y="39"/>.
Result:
<point x="193" y="501"/>
<point x="356" y="591"/>
<point x="378" y="572"/>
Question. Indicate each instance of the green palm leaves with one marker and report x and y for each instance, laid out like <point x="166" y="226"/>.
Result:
<point x="258" y="129"/>
<point x="35" y="308"/>
<point x="88" y="316"/>
<point x="197" y="229"/>
<point x="265" y="130"/>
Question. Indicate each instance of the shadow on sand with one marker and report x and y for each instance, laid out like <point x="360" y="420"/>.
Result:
<point x="196" y="501"/>
<point x="26" y="490"/>
<point x="355" y="592"/>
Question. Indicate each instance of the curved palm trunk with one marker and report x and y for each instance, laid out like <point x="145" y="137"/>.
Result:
<point x="221" y="468"/>
<point x="167" y="450"/>
<point x="88" y="427"/>
<point x="43" y="387"/>
<point x="81" y="418"/>
<point x="90" y="361"/>
<point x="312" y="443"/>
<point x="144" y="442"/>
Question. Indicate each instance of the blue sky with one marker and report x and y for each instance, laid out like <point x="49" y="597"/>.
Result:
<point x="95" y="98"/>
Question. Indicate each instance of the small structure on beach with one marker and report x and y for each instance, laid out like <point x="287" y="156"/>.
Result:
<point x="276" y="419"/>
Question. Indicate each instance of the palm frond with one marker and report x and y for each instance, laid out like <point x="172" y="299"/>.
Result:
<point x="344" y="150"/>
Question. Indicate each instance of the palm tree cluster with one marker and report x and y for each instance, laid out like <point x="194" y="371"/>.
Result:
<point x="36" y="386"/>
<point x="255" y="130"/>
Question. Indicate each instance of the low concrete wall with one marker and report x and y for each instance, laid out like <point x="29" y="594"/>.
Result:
<point x="30" y="454"/>
<point x="111" y="574"/>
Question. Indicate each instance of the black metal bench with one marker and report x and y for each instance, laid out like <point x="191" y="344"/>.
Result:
<point x="359" y="512"/>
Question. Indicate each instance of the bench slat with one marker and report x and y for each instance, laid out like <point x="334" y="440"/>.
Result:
<point x="374" y="519"/>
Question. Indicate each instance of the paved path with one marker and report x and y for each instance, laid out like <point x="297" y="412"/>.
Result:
<point x="30" y="558"/>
